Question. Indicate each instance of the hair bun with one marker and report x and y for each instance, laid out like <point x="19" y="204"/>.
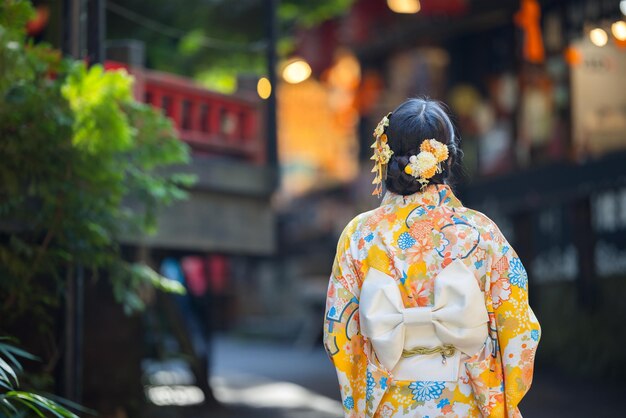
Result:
<point x="410" y="124"/>
<point x="399" y="178"/>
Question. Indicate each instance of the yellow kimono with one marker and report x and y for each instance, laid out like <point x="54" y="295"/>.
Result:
<point x="412" y="239"/>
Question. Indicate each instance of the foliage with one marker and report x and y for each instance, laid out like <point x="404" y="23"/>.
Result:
<point x="82" y="165"/>
<point x="308" y="13"/>
<point x="100" y="124"/>
<point x="19" y="403"/>
<point x="239" y="25"/>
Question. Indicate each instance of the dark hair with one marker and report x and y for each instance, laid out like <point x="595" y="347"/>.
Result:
<point x="411" y="123"/>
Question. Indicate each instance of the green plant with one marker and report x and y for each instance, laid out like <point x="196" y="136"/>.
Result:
<point x="81" y="166"/>
<point x="21" y="403"/>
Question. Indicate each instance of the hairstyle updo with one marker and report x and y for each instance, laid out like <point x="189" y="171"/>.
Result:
<point x="411" y="123"/>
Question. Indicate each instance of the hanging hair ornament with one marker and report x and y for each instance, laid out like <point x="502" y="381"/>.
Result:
<point x="428" y="161"/>
<point x="382" y="154"/>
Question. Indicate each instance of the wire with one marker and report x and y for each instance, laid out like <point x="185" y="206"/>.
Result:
<point x="176" y="33"/>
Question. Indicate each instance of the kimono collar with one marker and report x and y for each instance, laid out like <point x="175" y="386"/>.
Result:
<point x="432" y="195"/>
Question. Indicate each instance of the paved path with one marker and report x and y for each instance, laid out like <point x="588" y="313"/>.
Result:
<point x="260" y="379"/>
<point x="271" y="376"/>
<point x="302" y="383"/>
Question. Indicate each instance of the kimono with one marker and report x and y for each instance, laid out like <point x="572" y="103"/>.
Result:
<point x="407" y="251"/>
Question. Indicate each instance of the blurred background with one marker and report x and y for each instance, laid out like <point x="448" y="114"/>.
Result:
<point x="250" y="123"/>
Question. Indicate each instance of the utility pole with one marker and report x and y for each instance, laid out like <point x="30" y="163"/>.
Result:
<point x="95" y="31"/>
<point x="83" y="37"/>
<point x="71" y="28"/>
<point x="73" y="38"/>
<point x="271" y="124"/>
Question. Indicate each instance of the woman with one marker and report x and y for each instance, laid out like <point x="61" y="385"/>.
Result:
<point x="427" y="312"/>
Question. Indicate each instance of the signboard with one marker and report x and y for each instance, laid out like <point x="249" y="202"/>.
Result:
<point x="598" y="98"/>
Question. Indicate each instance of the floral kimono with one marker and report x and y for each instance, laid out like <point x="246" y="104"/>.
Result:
<point x="427" y="312"/>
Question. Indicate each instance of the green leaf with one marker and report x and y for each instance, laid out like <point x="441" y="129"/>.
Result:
<point x="6" y="385"/>
<point x="10" y="352"/>
<point x="67" y="403"/>
<point x="42" y="402"/>
<point x="31" y="407"/>
<point x="184" y="179"/>
<point x="6" y="372"/>
<point x="6" y="403"/>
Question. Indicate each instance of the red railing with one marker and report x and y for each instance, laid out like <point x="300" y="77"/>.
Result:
<point x="211" y="123"/>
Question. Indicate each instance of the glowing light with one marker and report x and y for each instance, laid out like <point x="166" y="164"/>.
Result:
<point x="619" y="30"/>
<point x="264" y="88"/>
<point x="296" y="71"/>
<point x="598" y="37"/>
<point x="622" y="7"/>
<point x="345" y="72"/>
<point x="404" y="6"/>
<point x="174" y="395"/>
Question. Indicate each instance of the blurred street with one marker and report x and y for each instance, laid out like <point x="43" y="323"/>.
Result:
<point x="262" y="379"/>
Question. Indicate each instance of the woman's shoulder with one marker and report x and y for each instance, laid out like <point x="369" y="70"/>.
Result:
<point x="481" y="222"/>
<point x="477" y="217"/>
<point x="359" y="222"/>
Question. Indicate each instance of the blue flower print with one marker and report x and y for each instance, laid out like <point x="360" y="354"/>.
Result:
<point x="517" y="273"/>
<point x="459" y="220"/>
<point x="405" y="241"/>
<point x="383" y="383"/>
<point x="348" y="403"/>
<point x="534" y="334"/>
<point x="442" y="196"/>
<point x="443" y="403"/>
<point x="420" y="211"/>
<point x="371" y="383"/>
<point x="426" y="391"/>
<point x="369" y="237"/>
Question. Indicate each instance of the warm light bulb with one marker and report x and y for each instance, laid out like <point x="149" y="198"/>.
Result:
<point x="598" y="37"/>
<point x="296" y="71"/>
<point x="264" y="88"/>
<point x="619" y="30"/>
<point x="404" y="6"/>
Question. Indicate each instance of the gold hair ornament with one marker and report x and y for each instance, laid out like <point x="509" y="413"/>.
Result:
<point x="428" y="161"/>
<point x="382" y="154"/>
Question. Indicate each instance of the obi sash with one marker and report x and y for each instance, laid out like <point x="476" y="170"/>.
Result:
<point x="458" y="318"/>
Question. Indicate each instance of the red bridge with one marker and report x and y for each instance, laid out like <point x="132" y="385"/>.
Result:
<point x="211" y="123"/>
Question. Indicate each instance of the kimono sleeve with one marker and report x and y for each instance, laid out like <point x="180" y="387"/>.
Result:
<point x="361" y="383"/>
<point x="516" y="327"/>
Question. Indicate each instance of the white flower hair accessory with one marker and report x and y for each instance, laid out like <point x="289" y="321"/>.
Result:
<point x="428" y="161"/>
<point x="382" y="154"/>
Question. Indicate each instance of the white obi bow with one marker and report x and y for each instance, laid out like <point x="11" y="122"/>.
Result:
<point x="458" y="317"/>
